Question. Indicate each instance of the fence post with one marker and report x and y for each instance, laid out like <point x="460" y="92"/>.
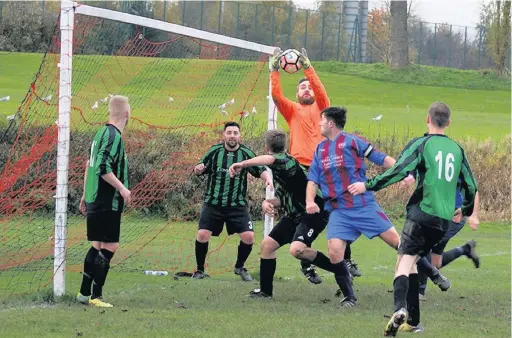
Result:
<point x="237" y="18"/>
<point x="435" y="44"/>
<point x="420" y="43"/>
<point x="255" y="22"/>
<point x="480" y="33"/>
<point x="1" y="10"/>
<point x="220" y="15"/>
<point x="450" y="47"/>
<point x="465" y="50"/>
<point x="339" y="38"/>
<point x="306" y="32"/>
<point x="183" y="4"/>
<point x="165" y="8"/>
<point x="201" y="17"/>
<point x="290" y="31"/>
<point x="272" y="33"/>
<point x="322" y="42"/>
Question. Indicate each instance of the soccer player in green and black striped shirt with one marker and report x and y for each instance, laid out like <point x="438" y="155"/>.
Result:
<point x="105" y="195"/>
<point x="225" y="198"/>
<point x="296" y="227"/>
<point x="439" y="162"/>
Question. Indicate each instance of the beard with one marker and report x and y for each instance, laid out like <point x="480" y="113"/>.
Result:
<point x="231" y="143"/>
<point x="307" y="100"/>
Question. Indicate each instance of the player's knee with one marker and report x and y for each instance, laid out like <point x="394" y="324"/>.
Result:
<point x="112" y="247"/>
<point x="335" y="255"/>
<point x="247" y="237"/>
<point x="203" y="236"/>
<point x="268" y="246"/>
<point x="297" y="249"/>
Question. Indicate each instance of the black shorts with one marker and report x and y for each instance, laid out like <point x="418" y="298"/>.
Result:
<point x="237" y="219"/>
<point x="305" y="230"/>
<point x="417" y="239"/>
<point x="104" y="226"/>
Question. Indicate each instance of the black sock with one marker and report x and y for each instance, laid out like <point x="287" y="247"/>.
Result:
<point x="85" y="289"/>
<point x="413" y="300"/>
<point x="401" y="286"/>
<point x="427" y="268"/>
<point x="305" y="264"/>
<point x="323" y="262"/>
<point x="201" y="251"/>
<point x="244" y="250"/>
<point x="101" y="267"/>
<point x="267" y="270"/>
<point x="348" y="252"/>
<point x="342" y="276"/>
<point x="453" y="254"/>
<point x="422" y="278"/>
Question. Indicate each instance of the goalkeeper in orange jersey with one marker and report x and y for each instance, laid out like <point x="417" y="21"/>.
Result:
<point x="303" y="119"/>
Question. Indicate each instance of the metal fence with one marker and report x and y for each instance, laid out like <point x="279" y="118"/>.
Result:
<point x="324" y="34"/>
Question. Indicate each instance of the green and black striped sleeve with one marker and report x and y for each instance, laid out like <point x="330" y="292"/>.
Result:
<point x="407" y="161"/>
<point x="208" y="157"/>
<point x="468" y="186"/>
<point x="255" y="171"/>
<point x="108" y="150"/>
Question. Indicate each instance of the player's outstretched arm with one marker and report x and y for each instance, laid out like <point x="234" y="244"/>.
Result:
<point x="321" y="97"/>
<point x="253" y="162"/>
<point x="407" y="162"/>
<point x="285" y="106"/>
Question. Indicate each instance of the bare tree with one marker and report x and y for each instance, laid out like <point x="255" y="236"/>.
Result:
<point x="398" y="46"/>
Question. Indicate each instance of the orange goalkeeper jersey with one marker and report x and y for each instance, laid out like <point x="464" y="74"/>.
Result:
<point x="302" y="119"/>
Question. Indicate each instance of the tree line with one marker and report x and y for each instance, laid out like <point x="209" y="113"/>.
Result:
<point x="394" y="34"/>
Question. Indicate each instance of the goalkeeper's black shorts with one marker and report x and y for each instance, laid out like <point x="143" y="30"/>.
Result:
<point x="104" y="226"/>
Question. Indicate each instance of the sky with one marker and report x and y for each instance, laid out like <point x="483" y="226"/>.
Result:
<point x="455" y="12"/>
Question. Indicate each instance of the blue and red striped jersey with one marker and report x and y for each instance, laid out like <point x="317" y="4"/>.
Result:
<point x="339" y="163"/>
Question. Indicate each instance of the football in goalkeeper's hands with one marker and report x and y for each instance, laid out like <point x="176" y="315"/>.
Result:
<point x="290" y="61"/>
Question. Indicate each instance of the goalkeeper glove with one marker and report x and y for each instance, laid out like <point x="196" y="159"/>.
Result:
<point x="304" y="59"/>
<point x="276" y="58"/>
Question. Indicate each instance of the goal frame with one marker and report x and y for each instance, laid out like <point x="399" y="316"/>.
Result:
<point x="67" y="23"/>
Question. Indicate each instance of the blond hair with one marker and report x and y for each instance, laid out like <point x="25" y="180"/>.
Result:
<point x="118" y="106"/>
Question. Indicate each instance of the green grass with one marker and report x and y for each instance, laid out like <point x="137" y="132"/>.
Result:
<point x="477" y="305"/>
<point x="480" y="101"/>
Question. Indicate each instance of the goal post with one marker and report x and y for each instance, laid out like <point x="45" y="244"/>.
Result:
<point x="69" y="12"/>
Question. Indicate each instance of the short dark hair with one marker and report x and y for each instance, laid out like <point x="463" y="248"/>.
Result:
<point x="275" y="140"/>
<point x="439" y="114"/>
<point x="302" y="80"/>
<point x="231" y="124"/>
<point x="338" y="115"/>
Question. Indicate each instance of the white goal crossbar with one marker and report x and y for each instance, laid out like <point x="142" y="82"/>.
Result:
<point x="67" y="24"/>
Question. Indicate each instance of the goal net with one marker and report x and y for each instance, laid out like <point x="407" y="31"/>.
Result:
<point x="183" y="84"/>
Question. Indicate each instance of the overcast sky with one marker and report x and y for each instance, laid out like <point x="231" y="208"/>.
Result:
<point x="455" y="12"/>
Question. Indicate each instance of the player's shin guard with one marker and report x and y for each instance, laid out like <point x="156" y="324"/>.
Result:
<point x="401" y="286"/>
<point x="85" y="289"/>
<point x="244" y="250"/>
<point x="342" y="276"/>
<point x="267" y="271"/>
<point x="413" y="300"/>
<point x="427" y="268"/>
<point x="101" y="267"/>
<point x="201" y="251"/>
<point x="323" y="262"/>
<point x="453" y="254"/>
